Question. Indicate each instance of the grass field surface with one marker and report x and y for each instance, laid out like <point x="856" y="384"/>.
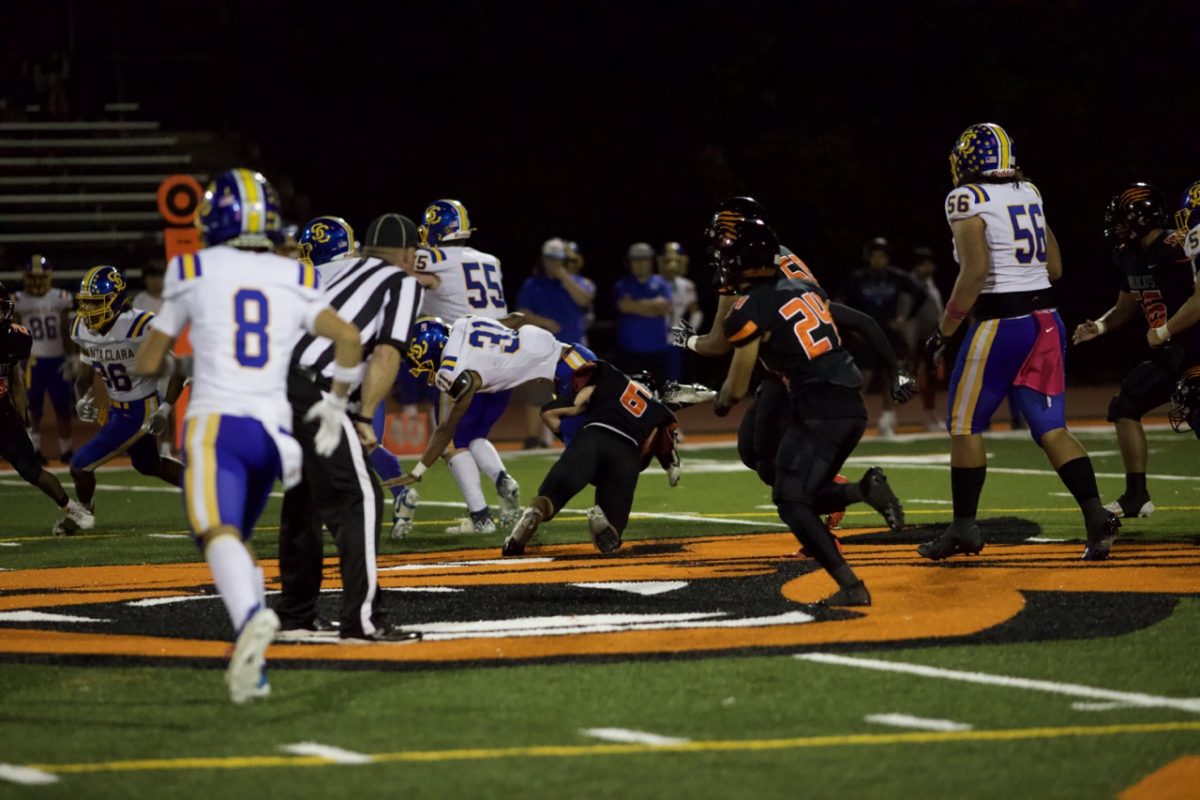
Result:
<point x="691" y="663"/>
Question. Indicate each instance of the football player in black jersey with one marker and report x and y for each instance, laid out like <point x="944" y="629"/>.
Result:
<point x="771" y="413"/>
<point x="1156" y="281"/>
<point x="787" y="323"/>
<point x="15" y="445"/>
<point x="624" y="426"/>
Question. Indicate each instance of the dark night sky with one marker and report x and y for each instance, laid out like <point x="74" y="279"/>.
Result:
<point x="610" y="122"/>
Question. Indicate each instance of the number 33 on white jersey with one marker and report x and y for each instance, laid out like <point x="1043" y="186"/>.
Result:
<point x="1016" y="232"/>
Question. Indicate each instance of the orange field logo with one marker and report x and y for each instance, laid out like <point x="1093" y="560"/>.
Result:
<point x="654" y="598"/>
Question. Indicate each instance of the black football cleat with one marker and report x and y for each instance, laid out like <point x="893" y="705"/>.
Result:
<point x="953" y="542"/>
<point x="1101" y="535"/>
<point x="512" y="547"/>
<point x="522" y="532"/>
<point x="855" y="594"/>
<point x="879" y="496"/>
<point x="384" y="634"/>
<point x="604" y="535"/>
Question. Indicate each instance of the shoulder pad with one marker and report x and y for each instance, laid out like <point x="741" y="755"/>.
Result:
<point x="462" y="384"/>
<point x="432" y="255"/>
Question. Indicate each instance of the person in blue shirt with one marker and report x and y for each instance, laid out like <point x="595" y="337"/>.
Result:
<point x="644" y="305"/>
<point x="556" y="299"/>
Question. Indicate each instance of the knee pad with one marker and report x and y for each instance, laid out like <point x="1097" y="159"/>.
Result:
<point x="1123" y="407"/>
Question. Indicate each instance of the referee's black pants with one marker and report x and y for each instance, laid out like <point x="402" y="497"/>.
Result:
<point x="339" y="491"/>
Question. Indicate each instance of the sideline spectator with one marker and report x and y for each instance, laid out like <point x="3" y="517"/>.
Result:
<point x="644" y="305"/>
<point x="150" y="297"/>
<point x="555" y="299"/>
<point x="575" y="263"/>
<point x="918" y="329"/>
<point x="891" y="298"/>
<point x="673" y="265"/>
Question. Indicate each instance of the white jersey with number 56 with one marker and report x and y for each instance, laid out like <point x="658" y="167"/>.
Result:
<point x="247" y="311"/>
<point x="1016" y="232"/>
<point x="471" y="283"/>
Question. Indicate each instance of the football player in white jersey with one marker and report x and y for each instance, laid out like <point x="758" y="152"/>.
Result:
<point x="107" y="331"/>
<point x="467" y="282"/>
<point x="1015" y="346"/>
<point x="247" y="308"/>
<point x="46" y="313"/>
<point x="476" y="364"/>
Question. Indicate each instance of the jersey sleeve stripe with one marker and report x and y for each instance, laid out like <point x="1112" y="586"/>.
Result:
<point x="189" y="267"/>
<point x="746" y="332"/>
<point x="140" y="324"/>
<point x="975" y="192"/>
<point x="308" y="275"/>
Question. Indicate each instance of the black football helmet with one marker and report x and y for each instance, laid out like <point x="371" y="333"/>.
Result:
<point x="6" y="304"/>
<point x="1185" y="403"/>
<point x="1140" y="208"/>
<point x="729" y="211"/>
<point x="745" y="252"/>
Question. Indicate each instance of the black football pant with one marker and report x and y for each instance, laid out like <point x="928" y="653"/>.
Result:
<point x="339" y="491"/>
<point x="17" y="449"/>
<point x="601" y="457"/>
<point x="809" y="457"/>
<point x="1150" y="384"/>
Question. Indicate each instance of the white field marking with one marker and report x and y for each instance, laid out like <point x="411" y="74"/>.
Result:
<point x="149" y="602"/>
<point x="929" y="501"/>
<point x="27" y="776"/>
<point x="572" y="625"/>
<point x="1047" y="472"/>
<point x="644" y="588"/>
<point x="23" y="615"/>
<point x="10" y="544"/>
<point x="631" y="737"/>
<point x="922" y="723"/>
<point x="1054" y="687"/>
<point x="1043" y="539"/>
<point x="1099" y="706"/>
<point x="687" y="518"/>
<point x="1060" y="494"/>
<point x="169" y="535"/>
<point x="512" y="562"/>
<point x="426" y="589"/>
<point x="896" y="458"/>
<point x="335" y="754"/>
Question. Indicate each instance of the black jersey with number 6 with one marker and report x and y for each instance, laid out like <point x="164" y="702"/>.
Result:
<point x="800" y="341"/>
<point x="1161" y="280"/>
<point x="623" y="405"/>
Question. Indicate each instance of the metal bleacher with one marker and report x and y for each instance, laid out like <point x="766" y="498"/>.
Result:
<point x="83" y="192"/>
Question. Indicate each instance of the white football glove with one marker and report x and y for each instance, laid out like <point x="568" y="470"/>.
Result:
<point x="331" y="410"/>
<point x="681" y="333"/>
<point x="70" y="368"/>
<point x="156" y="423"/>
<point x="679" y="395"/>
<point x="85" y="407"/>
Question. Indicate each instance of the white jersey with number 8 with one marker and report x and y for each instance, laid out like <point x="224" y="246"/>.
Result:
<point x="1016" y="232"/>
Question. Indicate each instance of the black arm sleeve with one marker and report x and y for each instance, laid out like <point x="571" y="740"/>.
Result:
<point x="847" y="319"/>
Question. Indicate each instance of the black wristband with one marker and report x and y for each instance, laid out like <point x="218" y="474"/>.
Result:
<point x="362" y="419"/>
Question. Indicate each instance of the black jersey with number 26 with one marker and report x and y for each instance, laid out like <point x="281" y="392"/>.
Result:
<point x="624" y="405"/>
<point x="800" y="340"/>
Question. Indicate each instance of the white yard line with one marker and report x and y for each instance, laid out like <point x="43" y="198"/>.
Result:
<point x="1099" y="706"/>
<point x="644" y="588"/>
<point x="921" y="723"/>
<point x="1053" y="687"/>
<point x="335" y="754"/>
<point x="25" y="615"/>
<point x="627" y="736"/>
<point x="27" y="776"/>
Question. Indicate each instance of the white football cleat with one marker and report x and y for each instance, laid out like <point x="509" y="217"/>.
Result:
<point x="510" y="500"/>
<point x="604" y="535"/>
<point x="469" y="525"/>
<point x="246" y="675"/>
<point x="77" y="517"/>
<point x="685" y="394"/>
<point x="1145" y="509"/>
<point x="404" y="508"/>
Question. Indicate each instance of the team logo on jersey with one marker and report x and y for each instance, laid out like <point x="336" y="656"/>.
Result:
<point x="653" y="598"/>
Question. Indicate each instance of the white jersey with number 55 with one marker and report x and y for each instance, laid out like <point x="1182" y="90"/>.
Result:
<point x="1016" y="232"/>
<point x="247" y="311"/>
<point x="471" y="283"/>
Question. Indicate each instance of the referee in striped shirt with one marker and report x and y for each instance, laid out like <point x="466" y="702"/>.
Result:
<point x="341" y="491"/>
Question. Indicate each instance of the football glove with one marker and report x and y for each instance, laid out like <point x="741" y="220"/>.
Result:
<point x="156" y="423"/>
<point x="85" y="407"/>
<point x="904" y="386"/>
<point x="678" y="395"/>
<point x="331" y="411"/>
<point x="681" y="333"/>
<point x="935" y="346"/>
<point x="70" y="368"/>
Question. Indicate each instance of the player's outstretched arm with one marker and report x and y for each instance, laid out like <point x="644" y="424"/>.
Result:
<point x="460" y="395"/>
<point x="970" y="242"/>
<point x="850" y="319"/>
<point x="737" y="381"/>
<point x="1122" y="313"/>
<point x="713" y="343"/>
<point x="380" y="376"/>
<point x="553" y="415"/>
<point x="1054" y="266"/>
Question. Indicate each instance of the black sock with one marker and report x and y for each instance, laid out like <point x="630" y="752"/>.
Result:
<point x="52" y="488"/>
<point x="1080" y="479"/>
<point x="835" y="497"/>
<point x="966" y="484"/>
<point x="1135" y="484"/>
<point x="481" y="516"/>
<point x="845" y="576"/>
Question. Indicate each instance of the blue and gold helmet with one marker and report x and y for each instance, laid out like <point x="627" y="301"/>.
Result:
<point x="240" y="209"/>
<point x="37" y="274"/>
<point x="425" y="346"/>
<point x="103" y="294"/>
<point x="445" y="221"/>
<point x="326" y="239"/>
<point x="1187" y="219"/>
<point x="982" y="151"/>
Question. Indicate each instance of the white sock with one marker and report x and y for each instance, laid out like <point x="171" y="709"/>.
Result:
<point x="485" y="455"/>
<point x="63" y="446"/>
<point x="260" y="586"/>
<point x="466" y="475"/>
<point x="233" y="573"/>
